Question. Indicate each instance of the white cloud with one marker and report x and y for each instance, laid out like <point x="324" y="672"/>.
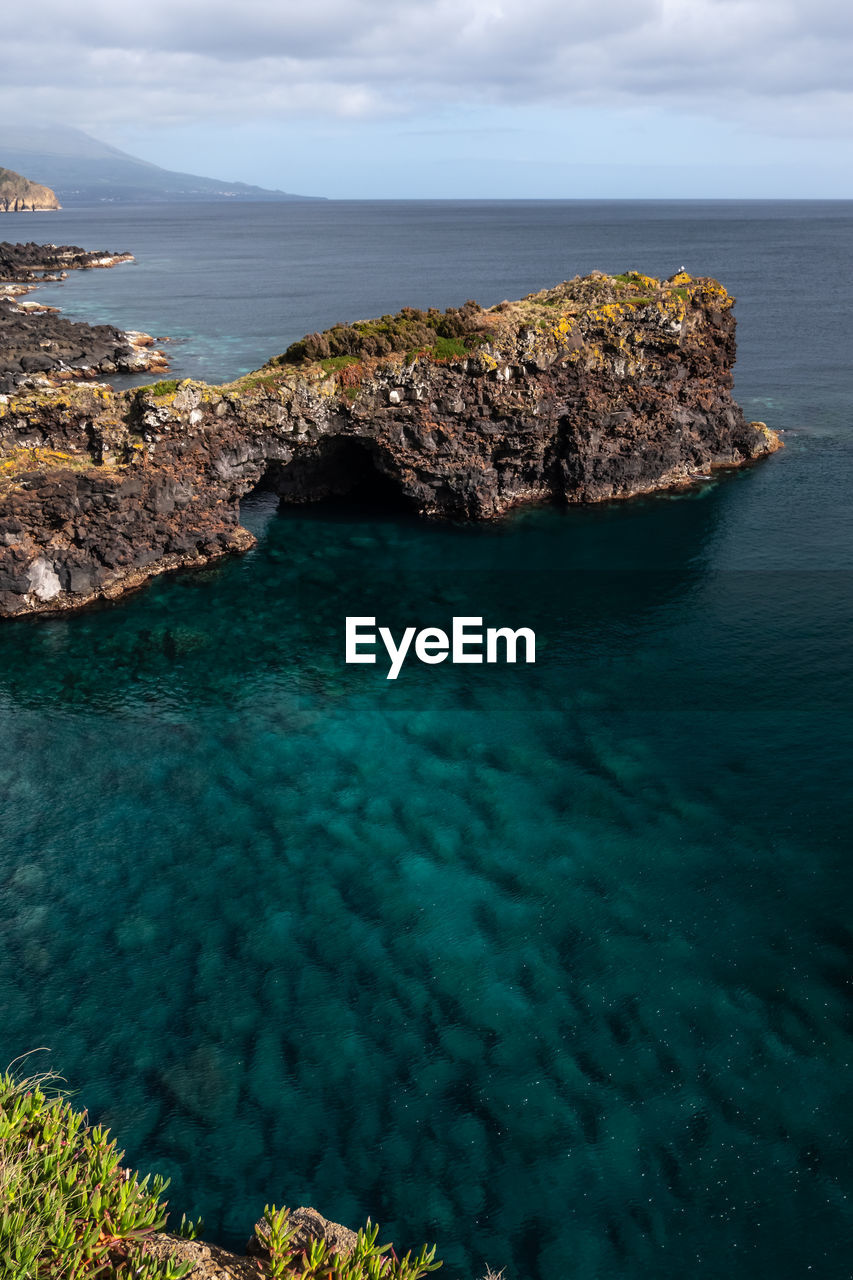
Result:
<point x="774" y="64"/>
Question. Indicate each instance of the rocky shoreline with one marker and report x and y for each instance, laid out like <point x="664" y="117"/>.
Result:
<point x="602" y="387"/>
<point x="29" y="263"/>
<point x="41" y="348"/>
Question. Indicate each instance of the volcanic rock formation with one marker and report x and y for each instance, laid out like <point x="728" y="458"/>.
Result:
<point x="39" y="347"/>
<point x="19" y="195"/>
<point x="602" y="387"/>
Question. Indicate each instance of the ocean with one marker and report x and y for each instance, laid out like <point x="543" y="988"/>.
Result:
<point x="548" y="964"/>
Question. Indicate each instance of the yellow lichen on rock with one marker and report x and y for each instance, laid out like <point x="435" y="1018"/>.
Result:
<point x="712" y="291"/>
<point x="21" y="459"/>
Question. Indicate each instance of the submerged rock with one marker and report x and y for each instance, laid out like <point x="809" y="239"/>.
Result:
<point x="599" y="388"/>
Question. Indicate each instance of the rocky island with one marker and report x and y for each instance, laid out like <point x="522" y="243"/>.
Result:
<point x="601" y="387"/>
<point x="19" y="195"/>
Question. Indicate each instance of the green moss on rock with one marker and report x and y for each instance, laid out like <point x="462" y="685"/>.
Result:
<point x="409" y="331"/>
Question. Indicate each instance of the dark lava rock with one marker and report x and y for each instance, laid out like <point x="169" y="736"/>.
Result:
<point x="600" y="388"/>
<point x="30" y="261"/>
<point x="47" y="342"/>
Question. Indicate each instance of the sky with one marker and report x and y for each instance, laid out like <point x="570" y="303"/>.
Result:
<point x="548" y="99"/>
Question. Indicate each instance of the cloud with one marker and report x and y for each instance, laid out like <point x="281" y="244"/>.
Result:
<point x="777" y="64"/>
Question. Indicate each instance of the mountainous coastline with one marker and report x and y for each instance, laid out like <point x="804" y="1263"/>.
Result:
<point x="17" y="194"/>
<point x="83" y="171"/>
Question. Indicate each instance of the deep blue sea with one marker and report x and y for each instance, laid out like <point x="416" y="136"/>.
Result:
<point x="549" y="964"/>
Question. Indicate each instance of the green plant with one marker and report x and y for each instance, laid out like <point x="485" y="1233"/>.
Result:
<point x="449" y="349"/>
<point x="278" y="1240"/>
<point x="68" y="1209"/>
<point x="409" y="331"/>
<point x="334" y="363"/>
<point x="165" y="388"/>
<point x="367" y="1261"/>
<point x="189" y="1230"/>
<point x="256" y="380"/>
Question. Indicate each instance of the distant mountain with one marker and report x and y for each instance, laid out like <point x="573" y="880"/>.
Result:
<point x="18" y="193"/>
<point x="83" y="171"/>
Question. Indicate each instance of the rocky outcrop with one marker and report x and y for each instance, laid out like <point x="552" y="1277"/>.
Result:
<point x="600" y="388"/>
<point x="41" y="348"/>
<point x="308" y="1225"/>
<point x="18" y="194"/>
<point x="29" y="263"/>
<point x="210" y="1262"/>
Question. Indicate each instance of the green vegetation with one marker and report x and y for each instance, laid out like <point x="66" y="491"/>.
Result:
<point x="368" y="1260"/>
<point x="166" y="388"/>
<point x="334" y="363"/>
<point x="635" y="278"/>
<point x="448" y="348"/>
<point x="255" y="380"/>
<point x="409" y="331"/>
<point x="68" y="1209"/>
<point x="189" y="1230"/>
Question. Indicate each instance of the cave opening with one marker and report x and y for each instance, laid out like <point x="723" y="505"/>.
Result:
<point x="340" y="476"/>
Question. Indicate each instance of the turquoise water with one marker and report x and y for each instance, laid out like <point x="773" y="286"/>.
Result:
<point x="550" y="964"/>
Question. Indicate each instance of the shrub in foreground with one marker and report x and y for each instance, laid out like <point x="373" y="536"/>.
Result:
<point x="68" y="1208"/>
